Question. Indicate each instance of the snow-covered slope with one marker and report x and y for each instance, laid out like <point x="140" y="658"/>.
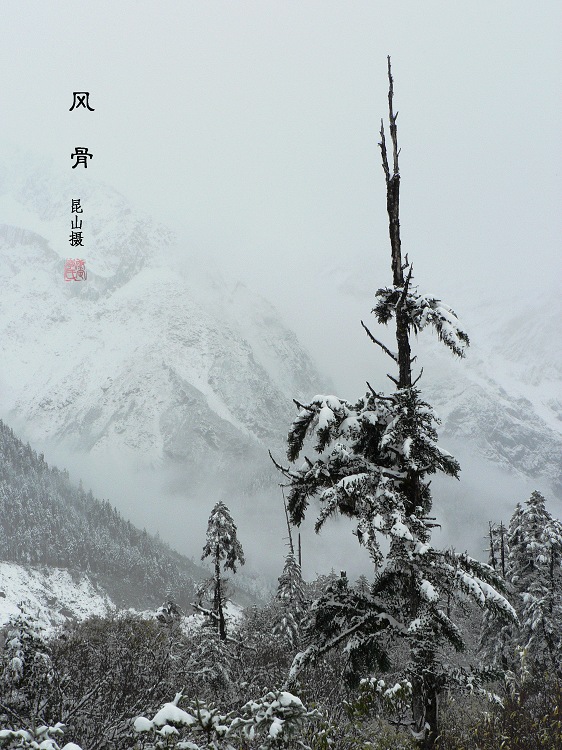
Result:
<point x="50" y="595"/>
<point x="505" y="398"/>
<point x="147" y="358"/>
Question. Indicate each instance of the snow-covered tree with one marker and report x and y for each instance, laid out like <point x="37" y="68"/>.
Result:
<point x="222" y="546"/>
<point x="374" y="460"/>
<point x="535" y="556"/>
<point x="292" y="601"/>
<point x="26" y="669"/>
<point x="168" y="613"/>
<point x="291" y="586"/>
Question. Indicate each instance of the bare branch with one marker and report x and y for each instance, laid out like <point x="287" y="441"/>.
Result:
<point x="378" y="395"/>
<point x="391" y="378"/>
<point x="285" y="470"/>
<point x="302" y="406"/>
<point x="392" y="118"/>
<point x="404" y="290"/>
<point x="384" y="154"/>
<point x="419" y="376"/>
<point x="385" y="349"/>
<point x="288" y="523"/>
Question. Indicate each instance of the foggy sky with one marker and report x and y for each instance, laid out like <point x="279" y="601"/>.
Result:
<point x="252" y="129"/>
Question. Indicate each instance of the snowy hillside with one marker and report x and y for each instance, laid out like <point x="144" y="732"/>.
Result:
<point x="50" y="595"/>
<point x="166" y="364"/>
<point x="147" y="358"/>
<point x="505" y="398"/>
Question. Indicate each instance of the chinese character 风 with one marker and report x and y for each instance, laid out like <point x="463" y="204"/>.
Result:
<point x="81" y="155"/>
<point x="75" y="269"/>
<point x="81" y="99"/>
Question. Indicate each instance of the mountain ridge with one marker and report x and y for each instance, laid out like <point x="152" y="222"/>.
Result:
<point x="146" y="358"/>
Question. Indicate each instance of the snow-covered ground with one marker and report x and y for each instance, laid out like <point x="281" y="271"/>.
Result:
<point x="50" y="595"/>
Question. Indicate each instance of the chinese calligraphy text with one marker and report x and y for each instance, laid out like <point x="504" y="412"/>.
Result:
<point x="81" y="155"/>
<point x="76" y="238"/>
<point x="81" y="99"/>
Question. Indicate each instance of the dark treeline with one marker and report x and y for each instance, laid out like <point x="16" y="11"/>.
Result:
<point x="46" y="520"/>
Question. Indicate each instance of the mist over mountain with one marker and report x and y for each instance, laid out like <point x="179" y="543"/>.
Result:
<point x="505" y="398"/>
<point x="46" y="521"/>
<point x="163" y="385"/>
<point x="147" y="359"/>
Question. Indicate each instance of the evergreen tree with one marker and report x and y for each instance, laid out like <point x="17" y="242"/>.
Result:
<point x="362" y="585"/>
<point x="535" y="541"/>
<point x="374" y="459"/>
<point x="26" y="670"/>
<point x="222" y="545"/>
<point x="291" y="586"/>
<point x="292" y="601"/>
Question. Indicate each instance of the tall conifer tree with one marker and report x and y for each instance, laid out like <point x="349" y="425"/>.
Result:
<point x="374" y="460"/>
<point x="291" y="598"/>
<point x="222" y="545"/>
<point x="535" y="556"/>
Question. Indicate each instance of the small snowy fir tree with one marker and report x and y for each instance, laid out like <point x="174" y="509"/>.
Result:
<point x="374" y="459"/>
<point x="222" y="546"/>
<point x="292" y="602"/>
<point x="26" y="670"/>
<point x="535" y="556"/>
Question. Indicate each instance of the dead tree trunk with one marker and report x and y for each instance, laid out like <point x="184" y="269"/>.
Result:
<point x="393" y="208"/>
<point x="217" y="602"/>
<point x="426" y="691"/>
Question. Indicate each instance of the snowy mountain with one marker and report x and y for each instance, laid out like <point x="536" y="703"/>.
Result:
<point x="149" y="358"/>
<point x="155" y="361"/>
<point x="505" y="398"/>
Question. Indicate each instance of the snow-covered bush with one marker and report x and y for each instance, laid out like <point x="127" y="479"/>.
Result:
<point x="42" y="738"/>
<point x="270" y="722"/>
<point x="273" y="720"/>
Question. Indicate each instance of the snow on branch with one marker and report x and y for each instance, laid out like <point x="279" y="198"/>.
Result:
<point x="422" y="310"/>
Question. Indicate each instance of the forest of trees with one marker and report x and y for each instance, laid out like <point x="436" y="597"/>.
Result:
<point x="433" y="649"/>
<point x="46" y="520"/>
<point x="171" y="681"/>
